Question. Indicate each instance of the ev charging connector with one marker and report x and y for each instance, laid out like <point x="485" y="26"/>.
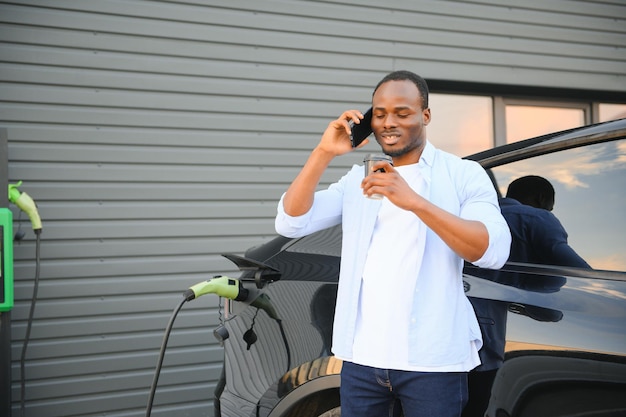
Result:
<point x="26" y="204"/>
<point x="222" y="286"/>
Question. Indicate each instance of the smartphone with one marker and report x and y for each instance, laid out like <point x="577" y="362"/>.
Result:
<point x="362" y="130"/>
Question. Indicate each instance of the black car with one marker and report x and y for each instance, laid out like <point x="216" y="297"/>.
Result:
<point x="565" y="352"/>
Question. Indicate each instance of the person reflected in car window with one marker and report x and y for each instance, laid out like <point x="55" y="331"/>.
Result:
<point x="538" y="238"/>
<point x="402" y="325"/>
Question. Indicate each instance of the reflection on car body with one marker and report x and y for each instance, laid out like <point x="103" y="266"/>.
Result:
<point x="565" y="328"/>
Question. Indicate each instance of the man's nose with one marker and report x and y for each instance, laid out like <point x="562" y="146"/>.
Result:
<point x="389" y="121"/>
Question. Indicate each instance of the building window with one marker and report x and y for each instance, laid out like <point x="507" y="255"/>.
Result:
<point x="607" y="112"/>
<point x="461" y="125"/>
<point x="527" y="121"/>
<point x="467" y="124"/>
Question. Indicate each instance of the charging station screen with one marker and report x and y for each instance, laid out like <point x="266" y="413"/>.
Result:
<point x="6" y="259"/>
<point x="2" y="296"/>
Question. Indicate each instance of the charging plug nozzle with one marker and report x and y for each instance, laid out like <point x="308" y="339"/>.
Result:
<point x="26" y="204"/>
<point x="221" y="285"/>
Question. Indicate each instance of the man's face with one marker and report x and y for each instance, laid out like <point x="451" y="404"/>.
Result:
<point x="398" y="121"/>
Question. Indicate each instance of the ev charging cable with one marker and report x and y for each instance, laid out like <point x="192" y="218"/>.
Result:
<point x="25" y="203"/>
<point x="222" y="286"/>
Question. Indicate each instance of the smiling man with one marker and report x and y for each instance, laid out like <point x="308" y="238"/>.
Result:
<point x="403" y="326"/>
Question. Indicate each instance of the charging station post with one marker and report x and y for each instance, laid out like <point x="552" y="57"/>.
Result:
<point x="5" y="316"/>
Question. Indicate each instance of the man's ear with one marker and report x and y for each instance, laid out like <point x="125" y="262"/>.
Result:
<point x="426" y="116"/>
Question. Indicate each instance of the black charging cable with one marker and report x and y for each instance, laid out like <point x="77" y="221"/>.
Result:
<point x="29" y="323"/>
<point x="166" y="336"/>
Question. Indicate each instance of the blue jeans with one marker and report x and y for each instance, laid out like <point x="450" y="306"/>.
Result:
<point x="373" y="392"/>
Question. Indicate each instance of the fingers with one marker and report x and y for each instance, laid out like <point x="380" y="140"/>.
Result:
<point x="336" y="137"/>
<point x="381" y="175"/>
<point x="382" y="166"/>
<point x="350" y="117"/>
<point x="343" y="123"/>
<point x="383" y="179"/>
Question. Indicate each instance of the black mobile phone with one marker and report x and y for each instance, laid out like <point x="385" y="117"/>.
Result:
<point x="362" y="130"/>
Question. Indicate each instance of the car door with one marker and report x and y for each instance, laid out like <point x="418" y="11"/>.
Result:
<point x="555" y="336"/>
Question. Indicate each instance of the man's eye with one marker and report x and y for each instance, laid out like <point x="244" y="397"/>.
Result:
<point x="403" y="116"/>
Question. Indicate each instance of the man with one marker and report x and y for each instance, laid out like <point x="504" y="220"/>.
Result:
<point x="538" y="236"/>
<point x="402" y="326"/>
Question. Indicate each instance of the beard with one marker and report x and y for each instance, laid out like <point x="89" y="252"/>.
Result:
<point x="401" y="151"/>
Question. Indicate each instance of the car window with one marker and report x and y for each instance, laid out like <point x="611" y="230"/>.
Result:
<point x="590" y="200"/>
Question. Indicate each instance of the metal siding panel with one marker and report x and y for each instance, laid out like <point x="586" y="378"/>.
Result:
<point x="157" y="135"/>
<point x="485" y="34"/>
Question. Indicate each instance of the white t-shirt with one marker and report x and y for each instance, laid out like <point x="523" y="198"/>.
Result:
<point x="389" y="278"/>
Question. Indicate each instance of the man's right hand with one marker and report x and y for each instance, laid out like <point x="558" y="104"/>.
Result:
<point x="335" y="141"/>
<point x="336" y="138"/>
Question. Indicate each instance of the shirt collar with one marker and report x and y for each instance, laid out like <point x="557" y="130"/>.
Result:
<point x="428" y="154"/>
<point x="427" y="159"/>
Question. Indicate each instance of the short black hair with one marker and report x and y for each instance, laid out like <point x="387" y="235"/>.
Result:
<point x="403" y="75"/>
<point x="532" y="190"/>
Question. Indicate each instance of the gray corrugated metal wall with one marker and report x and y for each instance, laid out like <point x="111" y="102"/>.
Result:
<point x="156" y="135"/>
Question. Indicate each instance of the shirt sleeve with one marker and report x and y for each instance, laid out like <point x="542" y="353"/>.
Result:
<point x="325" y="212"/>
<point x="479" y="202"/>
